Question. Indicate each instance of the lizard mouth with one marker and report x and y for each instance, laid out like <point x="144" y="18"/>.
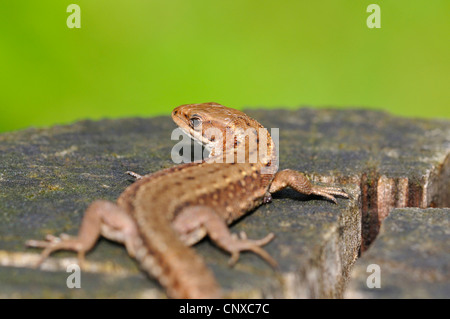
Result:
<point x="195" y="135"/>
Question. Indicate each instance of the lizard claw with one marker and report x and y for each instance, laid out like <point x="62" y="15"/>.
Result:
<point x="135" y="175"/>
<point x="267" y="198"/>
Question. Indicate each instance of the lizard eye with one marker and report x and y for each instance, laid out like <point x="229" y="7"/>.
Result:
<point x="195" y="121"/>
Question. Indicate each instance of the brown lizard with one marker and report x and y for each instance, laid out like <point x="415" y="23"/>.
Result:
<point x="159" y="216"/>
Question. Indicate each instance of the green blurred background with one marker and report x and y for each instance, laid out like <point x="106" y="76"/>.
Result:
<point x="143" y="58"/>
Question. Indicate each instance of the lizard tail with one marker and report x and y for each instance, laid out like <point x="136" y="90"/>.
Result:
<point x="179" y="269"/>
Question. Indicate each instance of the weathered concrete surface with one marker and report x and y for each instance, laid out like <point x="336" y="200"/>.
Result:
<point x="413" y="253"/>
<point x="49" y="176"/>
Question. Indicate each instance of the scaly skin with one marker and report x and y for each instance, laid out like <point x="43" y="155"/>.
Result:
<point x="161" y="214"/>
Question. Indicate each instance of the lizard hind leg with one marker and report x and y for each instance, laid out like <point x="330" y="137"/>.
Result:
<point x="193" y="218"/>
<point x="101" y="218"/>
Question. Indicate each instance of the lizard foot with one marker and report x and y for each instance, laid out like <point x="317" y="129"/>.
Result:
<point x="53" y="243"/>
<point x="241" y="243"/>
<point x="328" y="192"/>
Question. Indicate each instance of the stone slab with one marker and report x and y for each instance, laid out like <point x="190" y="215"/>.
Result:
<point x="48" y="177"/>
<point x="413" y="255"/>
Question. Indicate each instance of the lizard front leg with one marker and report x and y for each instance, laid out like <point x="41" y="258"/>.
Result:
<point x="299" y="182"/>
<point x="101" y="218"/>
<point x="197" y="220"/>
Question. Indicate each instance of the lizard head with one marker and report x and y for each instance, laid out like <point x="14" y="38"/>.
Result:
<point x="208" y="123"/>
<point x="217" y="127"/>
